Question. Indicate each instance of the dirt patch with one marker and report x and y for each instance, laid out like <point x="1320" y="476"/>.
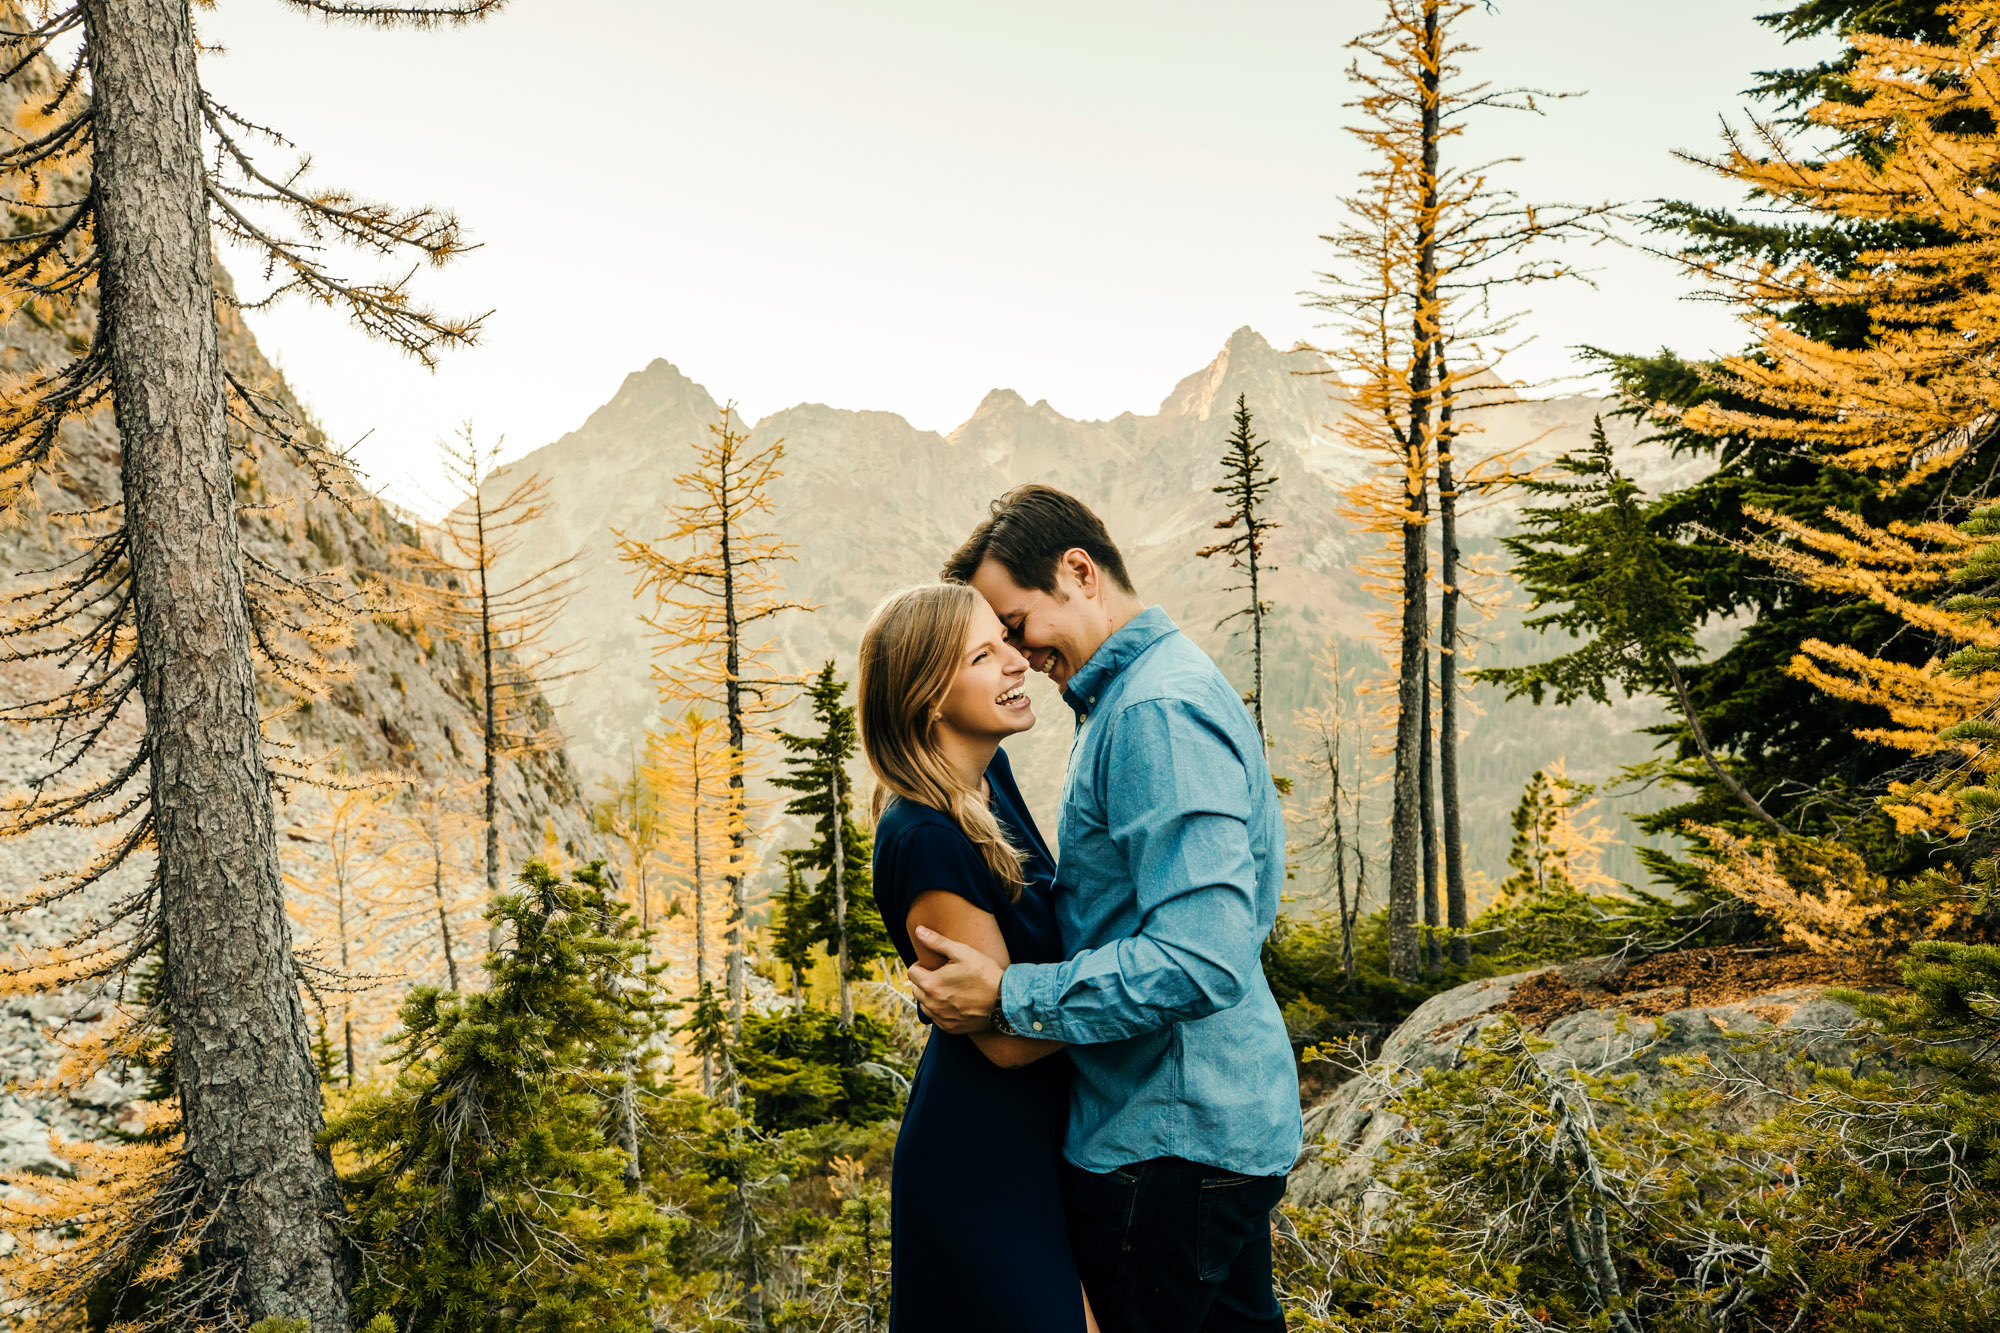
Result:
<point x="1705" y="978"/>
<point x="1688" y="979"/>
<point x="1541" y="999"/>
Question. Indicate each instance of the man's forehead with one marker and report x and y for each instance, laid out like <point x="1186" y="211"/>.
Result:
<point x="1006" y="596"/>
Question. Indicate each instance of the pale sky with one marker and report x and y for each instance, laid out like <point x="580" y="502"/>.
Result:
<point x="901" y="204"/>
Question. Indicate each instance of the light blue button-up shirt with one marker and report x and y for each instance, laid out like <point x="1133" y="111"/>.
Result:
<point x="1172" y="858"/>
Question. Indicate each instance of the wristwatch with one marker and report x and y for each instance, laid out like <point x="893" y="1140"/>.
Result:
<point x="1000" y="1023"/>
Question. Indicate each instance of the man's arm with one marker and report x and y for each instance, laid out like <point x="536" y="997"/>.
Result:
<point x="942" y="914"/>
<point x="1178" y="806"/>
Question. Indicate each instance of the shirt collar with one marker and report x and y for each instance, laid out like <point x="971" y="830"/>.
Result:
<point x="1114" y="655"/>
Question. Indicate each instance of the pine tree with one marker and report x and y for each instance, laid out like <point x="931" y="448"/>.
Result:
<point x="132" y="171"/>
<point x="705" y="603"/>
<point x="1796" y="744"/>
<point x="792" y="935"/>
<point x="506" y="617"/>
<point x="1246" y="485"/>
<point x="488" y="1187"/>
<point x="1558" y="844"/>
<point x="843" y="908"/>
<point x="1593" y="555"/>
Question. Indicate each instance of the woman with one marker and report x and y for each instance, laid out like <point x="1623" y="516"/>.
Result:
<point x="977" y="1238"/>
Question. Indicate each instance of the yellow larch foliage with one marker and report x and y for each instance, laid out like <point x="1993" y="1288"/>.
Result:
<point x="128" y="1204"/>
<point x="687" y="771"/>
<point x="336" y="860"/>
<point x="713" y="586"/>
<point x="1912" y="401"/>
<point x="1904" y="407"/>
<point x="1822" y="896"/>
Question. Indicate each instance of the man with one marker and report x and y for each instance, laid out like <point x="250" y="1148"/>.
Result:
<point x="1184" y="1114"/>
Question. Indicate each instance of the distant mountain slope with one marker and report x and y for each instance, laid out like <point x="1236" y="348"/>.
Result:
<point x="873" y="504"/>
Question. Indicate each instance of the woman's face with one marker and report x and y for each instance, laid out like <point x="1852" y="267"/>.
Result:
<point x="988" y="698"/>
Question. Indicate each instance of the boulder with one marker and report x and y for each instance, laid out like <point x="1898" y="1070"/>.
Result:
<point x="25" y="1146"/>
<point x="1601" y="1018"/>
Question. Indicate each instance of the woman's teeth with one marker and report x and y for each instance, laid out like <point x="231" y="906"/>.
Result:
<point x="1012" y="696"/>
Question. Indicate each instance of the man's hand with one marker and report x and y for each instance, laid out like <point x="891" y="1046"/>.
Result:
<point x="960" y="995"/>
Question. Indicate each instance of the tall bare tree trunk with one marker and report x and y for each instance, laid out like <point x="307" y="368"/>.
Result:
<point x="444" y="918"/>
<point x="1256" y="637"/>
<point x="700" y="917"/>
<point x="490" y="722"/>
<point x="732" y="629"/>
<point x="840" y="896"/>
<point x="346" y="970"/>
<point x="1412" y="704"/>
<point x="249" y="1094"/>
<point x="1433" y="951"/>
<point x="1455" y="907"/>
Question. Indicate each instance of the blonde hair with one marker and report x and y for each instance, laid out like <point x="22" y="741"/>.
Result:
<point x="910" y="654"/>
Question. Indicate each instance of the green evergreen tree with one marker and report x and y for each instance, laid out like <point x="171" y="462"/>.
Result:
<point x="490" y="1191"/>
<point x="708" y="1036"/>
<point x="843" y="905"/>
<point x="799" y="1068"/>
<point x="1246" y="484"/>
<point x="1613" y="582"/>
<point x="792" y="930"/>
<point x="1791" y="743"/>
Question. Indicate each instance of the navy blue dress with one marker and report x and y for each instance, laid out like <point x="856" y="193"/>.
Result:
<point x="977" y="1239"/>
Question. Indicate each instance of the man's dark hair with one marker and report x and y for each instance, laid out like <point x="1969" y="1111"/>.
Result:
<point x="1027" y="531"/>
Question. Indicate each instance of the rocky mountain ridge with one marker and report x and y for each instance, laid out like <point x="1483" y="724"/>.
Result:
<point x="871" y="503"/>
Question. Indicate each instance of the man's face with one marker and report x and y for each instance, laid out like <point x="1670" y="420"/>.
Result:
<point x="1057" y="631"/>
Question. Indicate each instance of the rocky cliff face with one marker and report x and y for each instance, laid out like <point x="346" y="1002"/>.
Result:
<point x="872" y="504"/>
<point x="400" y="703"/>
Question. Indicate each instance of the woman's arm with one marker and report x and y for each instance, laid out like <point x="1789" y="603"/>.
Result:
<point x="948" y="914"/>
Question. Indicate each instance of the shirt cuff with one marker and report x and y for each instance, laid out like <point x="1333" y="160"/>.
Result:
<point x="1025" y="998"/>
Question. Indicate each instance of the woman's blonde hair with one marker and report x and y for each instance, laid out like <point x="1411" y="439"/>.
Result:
<point x="910" y="655"/>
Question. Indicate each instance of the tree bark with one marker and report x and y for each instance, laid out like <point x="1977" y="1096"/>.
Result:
<point x="1427" y="826"/>
<point x="700" y="907"/>
<point x="249" y="1092"/>
<point x="1256" y="627"/>
<point x="1412" y="705"/>
<point x="1455" y="907"/>
<point x="1728" y="779"/>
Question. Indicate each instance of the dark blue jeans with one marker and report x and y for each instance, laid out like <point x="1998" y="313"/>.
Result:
<point x="1172" y="1246"/>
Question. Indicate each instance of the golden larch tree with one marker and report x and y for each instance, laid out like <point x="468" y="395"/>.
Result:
<point x="711" y="582"/>
<point x="337" y="854"/>
<point x="687" y="771"/>
<point x="1914" y="401"/>
<point x="1425" y="248"/>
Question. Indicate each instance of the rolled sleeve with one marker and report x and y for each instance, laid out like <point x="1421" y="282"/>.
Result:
<point x="1177" y="805"/>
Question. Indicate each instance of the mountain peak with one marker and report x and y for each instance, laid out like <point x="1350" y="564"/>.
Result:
<point x="1246" y="363"/>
